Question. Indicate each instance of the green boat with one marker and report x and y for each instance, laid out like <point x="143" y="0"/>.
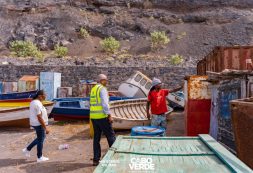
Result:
<point x="200" y="154"/>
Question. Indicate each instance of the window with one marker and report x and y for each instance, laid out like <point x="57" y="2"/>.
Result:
<point x="143" y="82"/>
<point x="74" y="104"/>
<point x="148" y="86"/>
<point x="138" y="78"/>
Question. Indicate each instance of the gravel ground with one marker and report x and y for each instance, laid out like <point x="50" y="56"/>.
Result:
<point x="75" y="159"/>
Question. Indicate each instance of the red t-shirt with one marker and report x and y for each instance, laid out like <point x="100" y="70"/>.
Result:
<point x="158" y="101"/>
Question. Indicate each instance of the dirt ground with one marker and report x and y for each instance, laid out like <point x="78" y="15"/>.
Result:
<point x="75" y="159"/>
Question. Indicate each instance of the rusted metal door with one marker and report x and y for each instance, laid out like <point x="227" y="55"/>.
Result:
<point x="198" y="104"/>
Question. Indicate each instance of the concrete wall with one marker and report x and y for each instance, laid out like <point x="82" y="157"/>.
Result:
<point x="71" y="75"/>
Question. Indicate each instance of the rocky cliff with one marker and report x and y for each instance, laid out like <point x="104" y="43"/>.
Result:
<point x="194" y="27"/>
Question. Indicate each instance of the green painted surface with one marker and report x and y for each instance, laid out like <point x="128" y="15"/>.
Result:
<point x="176" y="154"/>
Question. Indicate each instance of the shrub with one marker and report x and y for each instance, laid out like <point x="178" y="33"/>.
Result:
<point x="176" y="59"/>
<point x="84" y="33"/>
<point x="110" y="44"/>
<point x="25" y="49"/>
<point x="60" y="51"/>
<point x="159" y="39"/>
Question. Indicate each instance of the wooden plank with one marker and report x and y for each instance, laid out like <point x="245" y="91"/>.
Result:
<point x="208" y="162"/>
<point x="227" y="157"/>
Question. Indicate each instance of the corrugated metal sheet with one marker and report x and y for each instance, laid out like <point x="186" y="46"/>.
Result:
<point x="28" y="83"/>
<point x="63" y="92"/>
<point x="174" y="154"/>
<point x="237" y="58"/>
<point x="242" y="120"/>
<point x="49" y="82"/>
<point x="10" y="87"/>
<point x="197" y="105"/>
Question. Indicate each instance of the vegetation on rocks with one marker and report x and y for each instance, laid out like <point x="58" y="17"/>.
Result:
<point x="110" y="44"/>
<point x="176" y="59"/>
<point x="25" y="49"/>
<point x="60" y="51"/>
<point x="84" y="33"/>
<point x="159" y="39"/>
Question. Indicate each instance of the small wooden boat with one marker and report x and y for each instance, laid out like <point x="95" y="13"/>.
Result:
<point x="18" y="116"/>
<point x="130" y="113"/>
<point x="74" y="108"/>
<point x="18" y="103"/>
<point x="18" y="95"/>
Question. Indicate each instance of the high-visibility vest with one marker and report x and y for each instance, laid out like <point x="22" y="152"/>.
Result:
<point x="96" y="108"/>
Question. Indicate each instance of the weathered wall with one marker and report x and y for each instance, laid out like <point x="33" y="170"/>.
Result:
<point x="71" y="75"/>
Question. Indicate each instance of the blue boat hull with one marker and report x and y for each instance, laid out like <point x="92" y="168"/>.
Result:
<point x="75" y="113"/>
<point x="21" y="95"/>
<point x="69" y="113"/>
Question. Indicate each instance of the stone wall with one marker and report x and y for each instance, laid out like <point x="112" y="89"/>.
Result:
<point x="71" y="75"/>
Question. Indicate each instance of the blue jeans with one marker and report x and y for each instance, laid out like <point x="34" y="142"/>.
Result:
<point x="101" y="125"/>
<point x="159" y="120"/>
<point x="40" y="131"/>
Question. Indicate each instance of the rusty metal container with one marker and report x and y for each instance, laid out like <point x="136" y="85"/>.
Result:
<point x="242" y="120"/>
<point x="197" y="105"/>
<point x="237" y="58"/>
<point x="28" y="83"/>
<point x="9" y="87"/>
<point x="201" y="67"/>
<point x="85" y="87"/>
<point x="63" y="92"/>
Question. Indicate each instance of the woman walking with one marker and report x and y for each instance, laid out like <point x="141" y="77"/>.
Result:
<point x="39" y="121"/>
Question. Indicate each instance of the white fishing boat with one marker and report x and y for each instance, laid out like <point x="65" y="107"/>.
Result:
<point x="138" y="85"/>
<point x="130" y="113"/>
<point x="177" y="98"/>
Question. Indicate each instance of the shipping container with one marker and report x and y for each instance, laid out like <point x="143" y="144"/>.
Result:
<point x="49" y="82"/>
<point x="28" y="83"/>
<point x="242" y="120"/>
<point x="85" y="87"/>
<point x="63" y="92"/>
<point x="169" y="154"/>
<point x="9" y="87"/>
<point x="197" y="105"/>
<point x="221" y="58"/>
<point x="1" y="87"/>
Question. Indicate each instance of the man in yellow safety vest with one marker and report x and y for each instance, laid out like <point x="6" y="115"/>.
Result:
<point x="100" y="116"/>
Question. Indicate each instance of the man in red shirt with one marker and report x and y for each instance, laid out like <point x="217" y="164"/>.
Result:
<point x="157" y="100"/>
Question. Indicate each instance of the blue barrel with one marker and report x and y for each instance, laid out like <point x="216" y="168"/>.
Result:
<point x="147" y="131"/>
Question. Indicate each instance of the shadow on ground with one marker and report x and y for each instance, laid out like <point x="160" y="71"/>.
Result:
<point x="49" y="167"/>
<point x="13" y="162"/>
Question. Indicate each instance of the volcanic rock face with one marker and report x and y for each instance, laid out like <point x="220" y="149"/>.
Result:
<point x="194" y="27"/>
